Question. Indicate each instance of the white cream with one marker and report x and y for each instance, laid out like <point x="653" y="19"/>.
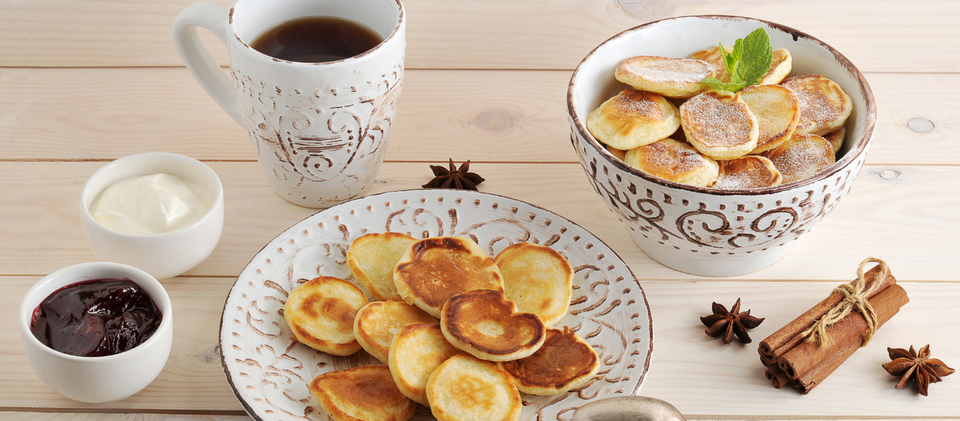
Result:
<point x="151" y="204"/>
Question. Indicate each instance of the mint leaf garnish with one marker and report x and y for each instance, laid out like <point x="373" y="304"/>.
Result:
<point x="746" y="64"/>
<point x="758" y="54"/>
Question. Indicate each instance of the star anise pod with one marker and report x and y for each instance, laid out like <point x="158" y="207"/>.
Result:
<point x="454" y="178"/>
<point x="919" y="365"/>
<point x="730" y="322"/>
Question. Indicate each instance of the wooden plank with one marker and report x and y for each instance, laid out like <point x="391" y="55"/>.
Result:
<point x="42" y="233"/>
<point x="708" y="380"/>
<point x="487" y="116"/>
<point x="493" y="34"/>
<point x="698" y="374"/>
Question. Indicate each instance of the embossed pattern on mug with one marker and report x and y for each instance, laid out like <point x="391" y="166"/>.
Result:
<point x="307" y="143"/>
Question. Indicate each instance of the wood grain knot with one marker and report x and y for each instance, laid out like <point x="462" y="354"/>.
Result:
<point x="646" y="9"/>
<point x="887" y="174"/>
<point x="921" y="125"/>
<point x="495" y="120"/>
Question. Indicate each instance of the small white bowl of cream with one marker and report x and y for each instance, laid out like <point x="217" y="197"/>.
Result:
<point x="160" y="212"/>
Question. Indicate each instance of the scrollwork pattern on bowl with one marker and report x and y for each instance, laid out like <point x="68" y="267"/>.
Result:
<point x="729" y="225"/>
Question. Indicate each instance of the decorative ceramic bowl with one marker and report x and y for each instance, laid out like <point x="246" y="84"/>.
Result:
<point x="161" y="255"/>
<point x="97" y="379"/>
<point x="705" y="231"/>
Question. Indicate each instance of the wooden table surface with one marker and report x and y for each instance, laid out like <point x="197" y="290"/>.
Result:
<point x="83" y="82"/>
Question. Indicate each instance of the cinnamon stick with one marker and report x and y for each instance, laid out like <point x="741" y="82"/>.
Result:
<point x="810" y="363"/>
<point x="815" y="375"/>
<point x="788" y="336"/>
<point x="777" y="377"/>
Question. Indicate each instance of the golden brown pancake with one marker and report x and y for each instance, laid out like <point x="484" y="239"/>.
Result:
<point x="564" y="362"/>
<point x="321" y="312"/>
<point x="801" y="157"/>
<point x="538" y="279"/>
<point x="777" y="111"/>
<point x="488" y="326"/>
<point x="836" y="138"/>
<point x="675" y="161"/>
<point x="361" y="393"/>
<point x="416" y="351"/>
<point x="715" y="58"/>
<point x="720" y="126"/>
<point x="824" y="107"/>
<point x="748" y="172"/>
<point x="372" y="257"/>
<point x="377" y="322"/>
<point x="780" y="67"/>
<point x="619" y="153"/>
<point x="465" y="388"/>
<point x="633" y="118"/>
<point x="434" y="269"/>
<point x="667" y="76"/>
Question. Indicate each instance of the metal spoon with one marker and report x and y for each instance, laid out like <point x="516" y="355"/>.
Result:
<point x="628" y="408"/>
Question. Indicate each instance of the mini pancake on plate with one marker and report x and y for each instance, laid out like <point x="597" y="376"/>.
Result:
<point x="416" y="351"/>
<point x="824" y="107"/>
<point x="802" y="156"/>
<point x="836" y="138"/>
<point x="488" y="326"/>
<point x="633" y="118"/>
<point x="748" y="172"/>
<point x="667" y="76"/>
<point x="564" y="362"/>
<point x="361" y="393"/>
<point x="538" y="279"/>
<point x="373" y="256"/>
<point x="780" y="66"/>
<point x="434" y="269"/>
<point x="321" y="312"/>
<point x="675" y="161"/>
<point x="483" y="391"/>
<point x="720" y="126"/>
<point x="777" y="111"/>
<point x="377" y="322"/>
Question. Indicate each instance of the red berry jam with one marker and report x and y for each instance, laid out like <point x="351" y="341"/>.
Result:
<point x="96" y="318"/>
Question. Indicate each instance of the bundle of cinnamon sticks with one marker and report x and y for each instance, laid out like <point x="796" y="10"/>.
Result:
<point x="793" y="359"/>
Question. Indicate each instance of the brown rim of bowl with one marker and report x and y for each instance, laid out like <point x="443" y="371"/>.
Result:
<point x="858" y="149"/>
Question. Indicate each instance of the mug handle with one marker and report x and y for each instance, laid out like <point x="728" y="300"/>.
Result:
<point x="205" y="70"/>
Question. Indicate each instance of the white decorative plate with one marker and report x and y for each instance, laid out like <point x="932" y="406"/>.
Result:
<point x="269" y="373"/>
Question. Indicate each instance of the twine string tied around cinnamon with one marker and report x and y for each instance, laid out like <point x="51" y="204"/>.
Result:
<point x="855" y="297"/>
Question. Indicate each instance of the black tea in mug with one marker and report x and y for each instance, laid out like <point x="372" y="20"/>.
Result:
<point x="316" y="39"/>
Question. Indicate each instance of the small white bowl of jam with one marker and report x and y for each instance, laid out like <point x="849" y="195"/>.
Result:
<point x="157" y="211"/>
<point x="97" y="332"/>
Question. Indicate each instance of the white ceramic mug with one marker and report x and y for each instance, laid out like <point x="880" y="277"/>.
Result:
<point x="319" y="130"/>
